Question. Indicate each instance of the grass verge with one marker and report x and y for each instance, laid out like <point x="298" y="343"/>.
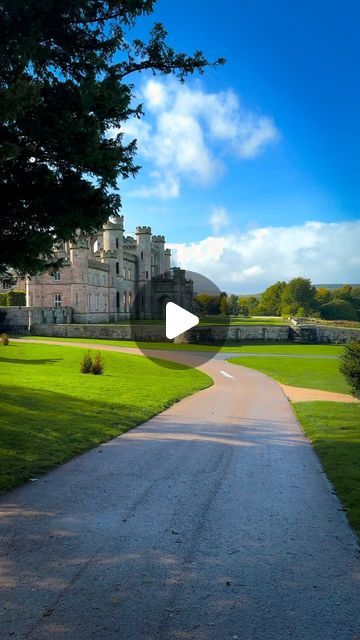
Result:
<point x="334" y="431"/>
<point x="309" y="373"/>
<point x="50" y="412"/>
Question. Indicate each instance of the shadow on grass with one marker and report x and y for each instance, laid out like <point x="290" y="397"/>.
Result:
<point x="40" y="429"/>
<point x="30" y="361"/>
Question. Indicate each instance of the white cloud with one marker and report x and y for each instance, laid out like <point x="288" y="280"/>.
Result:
<point x="186" y="130"/>
<point x="218" y="219"/>
<point x="250" y="261"/>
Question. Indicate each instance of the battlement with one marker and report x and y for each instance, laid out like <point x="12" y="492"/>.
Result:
<point x="116" y="223"/>
<point x="143" y="230"/>
<point x="108" y="253"/>
<point x="158" y="238"/>
<point x="168" y="252"/>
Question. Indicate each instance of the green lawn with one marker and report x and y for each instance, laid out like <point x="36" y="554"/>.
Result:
<point x="334" y="430"/>
<point x="50" y="412"/>
<point x="311" y="373"/>
<point x="271" y="349"/>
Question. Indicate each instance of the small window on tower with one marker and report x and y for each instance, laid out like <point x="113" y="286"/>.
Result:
<point x="129" y="274"/>
<point x="147" y="275"/>
<point x="142" y="255"/>
<point x="117" y="243"/>
<point x="117" y="267"/>
<point x="57" y="276"/>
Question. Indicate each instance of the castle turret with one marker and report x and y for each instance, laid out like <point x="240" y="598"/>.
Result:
<point x="79" y="252"/>
<point x="159" y="242"/>
<point x="113" y="255"/>
<point x="167" y="260"/>
<point x="143" y="235"/>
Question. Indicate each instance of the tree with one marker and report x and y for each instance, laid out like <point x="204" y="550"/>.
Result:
<point x="224" y="307"/>
<point x="344" y="293"/>
<point x="64" y="83"/>
<point x="298" y="293"/>
<point x="350" y="366"/>
<point x="339" y="310"/>
<point x="233" y="305"/>
<point x="270" y="300"/>
<point x="322" y="295"/>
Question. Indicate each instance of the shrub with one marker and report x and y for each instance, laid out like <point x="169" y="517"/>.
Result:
<point x="98" y="365"/>
<point x="86" y="363"/>
<point x="3" y="299"/>
<point x="338" y="310"/>
<point x="4" y="339"/>
<point x="350" y="366"/>
<point x="16" y="298"/>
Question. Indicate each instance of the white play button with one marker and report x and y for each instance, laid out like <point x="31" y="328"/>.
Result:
<point x="178" y="320"/>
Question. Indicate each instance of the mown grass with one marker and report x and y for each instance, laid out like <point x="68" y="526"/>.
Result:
<point x="50" y="412"/>
<point x="310" y="372"/>
<point x="334" y="431"/>
<point x="270" y="349"/>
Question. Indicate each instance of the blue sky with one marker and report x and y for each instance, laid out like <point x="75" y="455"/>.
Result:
<point x="259" y="149"/>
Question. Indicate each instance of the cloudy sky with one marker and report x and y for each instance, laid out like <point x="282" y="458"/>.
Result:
<point x="252" y="170"/>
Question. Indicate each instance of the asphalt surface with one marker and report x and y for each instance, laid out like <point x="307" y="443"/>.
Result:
<point x="212" y="521"/>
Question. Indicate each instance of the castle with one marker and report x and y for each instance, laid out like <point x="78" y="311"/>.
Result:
<point x="101" y="277"/>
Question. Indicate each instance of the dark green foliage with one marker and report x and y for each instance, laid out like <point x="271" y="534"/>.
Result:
<point x="298" y="293"/>
<point x="209" y="304"/>
<point x="16" y="298"/>
<point x="338" y="310"/>
<point x="4" y="339"/>
<point x="64" y="70"/>
<point x="3" y="299"/>
<point x="350" y="366"/>
<point x="86" y="363"/>
<point x="98" y="365"/>
<point x="270" y="301"/>
<point x="233" y="305"/>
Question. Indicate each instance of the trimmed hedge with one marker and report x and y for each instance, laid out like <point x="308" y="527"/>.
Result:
<point x="339" y="310"/>
<point x="13" y="299"/>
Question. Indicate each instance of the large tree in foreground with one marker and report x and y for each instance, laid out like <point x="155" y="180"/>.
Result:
<point x="65" y="71"/>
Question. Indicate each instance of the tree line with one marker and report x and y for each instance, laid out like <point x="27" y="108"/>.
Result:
<point x="298" y="297"/>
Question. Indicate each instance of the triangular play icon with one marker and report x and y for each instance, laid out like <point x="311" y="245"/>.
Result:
<point x="178" y="320"/>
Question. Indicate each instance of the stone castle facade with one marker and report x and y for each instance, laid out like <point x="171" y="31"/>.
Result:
<point x="102" y="276"/>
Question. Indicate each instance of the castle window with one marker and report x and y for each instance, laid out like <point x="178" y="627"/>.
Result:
<point x="147" y="275"/>
<point x="97" y="301"/>
<point x="142" y="255"/>
<point x="117" y="267"/>
<point x="57" y="300"/>
<point x="57" y="276"/>
<point x="129" y="299"/>
<point x="117" y="299"/>
<point x="124" y="300"/>
<point x="117" y="243"/>
<point x="124" y="272"/>
<point x="105" y="301"/>
<point x="129" y="274"/>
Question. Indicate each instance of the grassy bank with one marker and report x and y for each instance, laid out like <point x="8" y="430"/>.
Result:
<point x="334" y="430"/>
<point x="50" y="412"/>
<point x="310" y="372"/>
<point x="270" y="349"/>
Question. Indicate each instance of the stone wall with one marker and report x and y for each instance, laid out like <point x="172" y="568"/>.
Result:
<point x="17" y="319"/>
<point x="318" y="333"/>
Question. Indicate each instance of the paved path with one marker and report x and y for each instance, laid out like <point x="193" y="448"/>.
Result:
<point x="212" y="521"/>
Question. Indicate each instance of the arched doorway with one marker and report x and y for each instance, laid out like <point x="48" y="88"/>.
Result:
<point x="161" y="307"/>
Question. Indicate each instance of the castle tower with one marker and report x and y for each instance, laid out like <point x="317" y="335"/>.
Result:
<point x="113" y="255"/>
<point x="159" y="242"/>
<point x="143" y="235"/>
<point x="79" y="252"/>
<point x="167" y="260"/>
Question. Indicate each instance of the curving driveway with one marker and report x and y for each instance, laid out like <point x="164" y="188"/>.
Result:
<point x="212" y="521"/>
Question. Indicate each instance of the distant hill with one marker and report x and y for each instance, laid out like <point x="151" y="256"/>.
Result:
<point x="335" y="286"/>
